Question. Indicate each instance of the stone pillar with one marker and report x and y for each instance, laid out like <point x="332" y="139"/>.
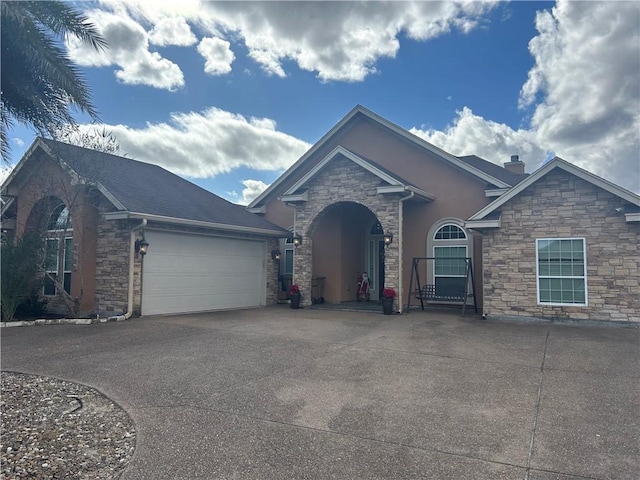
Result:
<point x="392" y="271"/>
<point x="302" y="269"/>
<point x="272" y="272"/>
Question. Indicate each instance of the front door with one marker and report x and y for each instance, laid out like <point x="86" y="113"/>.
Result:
<point x="375" y="265"/>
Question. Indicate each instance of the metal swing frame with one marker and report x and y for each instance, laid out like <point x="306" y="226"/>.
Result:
<point x="429" y="293"/>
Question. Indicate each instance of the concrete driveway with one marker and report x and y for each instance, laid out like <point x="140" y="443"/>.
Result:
<point x="276" y="393"/>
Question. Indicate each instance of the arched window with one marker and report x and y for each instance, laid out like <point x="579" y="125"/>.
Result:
<point x="450" y="232"/>
<point x="59" y="219"/>
<point x="376" y="229"/>
<point x="450" y="245"/>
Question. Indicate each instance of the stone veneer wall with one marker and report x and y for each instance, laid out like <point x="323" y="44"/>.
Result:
<point x="343" y="181"/>
<point x="562" y="205"/>
<point x="112" y="266"/>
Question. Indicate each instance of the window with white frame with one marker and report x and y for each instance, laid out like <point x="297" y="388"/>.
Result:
<point x="561" y="271"/>
<point x="450" y="266"/>
<point x="56" y="254"/>
<point x="287" y="257"/>
<point x="53" y="256"/>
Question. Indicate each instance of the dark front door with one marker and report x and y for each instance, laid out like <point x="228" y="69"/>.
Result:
<point x="380" y="267"/>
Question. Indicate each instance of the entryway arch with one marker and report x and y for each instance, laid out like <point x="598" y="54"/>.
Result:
<point x="345" y="238"/>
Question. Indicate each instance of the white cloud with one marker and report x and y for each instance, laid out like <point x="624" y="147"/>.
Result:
<point x="252" y="188"/>
<point x="128" y="49"/>
<point x="583" y="94"/>
<point x="341" y="41"/>
<point x="217" y="54"/>
<point x="471" y="134"/>
<point x="18" y="142"/>
<point x="5" y="171"/>
<point x="172" y="31"/>
<point x="210" y="143"/>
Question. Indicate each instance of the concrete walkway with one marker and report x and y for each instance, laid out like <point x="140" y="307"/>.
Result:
<point x="276" y="393"/>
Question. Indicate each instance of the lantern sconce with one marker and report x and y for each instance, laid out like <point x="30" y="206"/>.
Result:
<point x="297" y="240"/>
<point x="387" y="238"/>
<point x="275" y="255"/>
<point x="141" y="246"/>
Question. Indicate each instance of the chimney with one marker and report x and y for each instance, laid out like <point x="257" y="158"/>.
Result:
<point x="515" y="165"/>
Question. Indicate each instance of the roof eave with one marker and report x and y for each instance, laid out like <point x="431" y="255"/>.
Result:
<point x="293" y="198"/>
<point x="632" y="217"/>
<point x="14" y="172"/>
<point x="495" y="192"/>
<point x="557" y="162"/>
<point x="195" y="223"/>
<point x="482" y="224"/>
<point x="417" y="192"/>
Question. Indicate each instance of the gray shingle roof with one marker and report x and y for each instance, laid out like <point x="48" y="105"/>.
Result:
<point x="149" y="189"/>
<point x="494" y="170"/>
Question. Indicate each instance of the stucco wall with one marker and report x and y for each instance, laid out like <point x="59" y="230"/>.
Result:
<point x="561" y="205"/>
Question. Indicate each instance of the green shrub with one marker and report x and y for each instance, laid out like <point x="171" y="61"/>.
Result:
<point x="19" y="272"/>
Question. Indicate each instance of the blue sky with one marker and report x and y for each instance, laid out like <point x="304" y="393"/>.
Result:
<point x="230" y="94"/>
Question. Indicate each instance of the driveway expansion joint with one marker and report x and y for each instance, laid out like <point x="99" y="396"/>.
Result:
<point x="537" y="407"/>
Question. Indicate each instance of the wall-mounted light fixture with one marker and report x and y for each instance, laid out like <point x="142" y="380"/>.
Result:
<point x="275" y="255"/>
<point x="297" y="240"/>
<point x="387" y="238"/>
<point x="141" y="246"/>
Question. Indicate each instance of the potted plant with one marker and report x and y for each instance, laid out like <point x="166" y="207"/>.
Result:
<point x="294" y="295"/>
<point x="388" y="294"/>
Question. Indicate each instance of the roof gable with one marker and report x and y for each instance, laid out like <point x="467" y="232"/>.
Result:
<point x="360" y="111"/>
<point x="144" y="189"/>
<point x="382" y="173"/>
<point x="488" y="212"/>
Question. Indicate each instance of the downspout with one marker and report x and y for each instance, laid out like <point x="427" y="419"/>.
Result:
<point x="132" y="257"/>
<point x="400" y="243"/>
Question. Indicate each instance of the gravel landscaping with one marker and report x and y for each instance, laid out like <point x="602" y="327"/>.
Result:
<point x="57" y="429"/>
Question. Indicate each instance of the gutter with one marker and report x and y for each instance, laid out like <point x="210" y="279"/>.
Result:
<point x="194" y="223"/>
<point x="400" y="242"/>
<point x="132" y="253"/>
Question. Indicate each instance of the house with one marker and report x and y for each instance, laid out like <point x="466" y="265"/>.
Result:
<point x="371" y="197"/>
<point x="368" y="197"/>
<point x="204" y="253"/>
<point x="563" y="243"/>
<point x="366" y="181"/>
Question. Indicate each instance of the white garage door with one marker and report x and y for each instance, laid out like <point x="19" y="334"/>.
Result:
<point x="197" y="273"/>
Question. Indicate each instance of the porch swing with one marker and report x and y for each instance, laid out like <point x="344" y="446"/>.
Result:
<point x="453" y="289"/>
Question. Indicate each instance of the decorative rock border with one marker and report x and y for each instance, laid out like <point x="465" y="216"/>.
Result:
<point x="54" y="428"/>
<point x="62" y="321"/>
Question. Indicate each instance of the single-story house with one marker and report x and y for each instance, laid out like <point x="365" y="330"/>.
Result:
<point x="371" y="197"/>
<point x="368" y="197"/>
<point x="204" y="253"/>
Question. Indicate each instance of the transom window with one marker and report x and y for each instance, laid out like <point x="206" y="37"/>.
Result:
<point x="562" y="271"/>
<point x="376" y="229"/>
<point x="450" y="232"/>
<point x="59" y="219"/>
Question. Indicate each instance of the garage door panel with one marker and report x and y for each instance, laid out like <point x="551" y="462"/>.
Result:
<point x="189" y="273"/>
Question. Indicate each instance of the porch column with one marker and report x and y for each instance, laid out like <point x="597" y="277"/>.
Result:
<point x="387" y="214"/>
<point x="392" y="270"/>
<point x="302" y="265"/>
